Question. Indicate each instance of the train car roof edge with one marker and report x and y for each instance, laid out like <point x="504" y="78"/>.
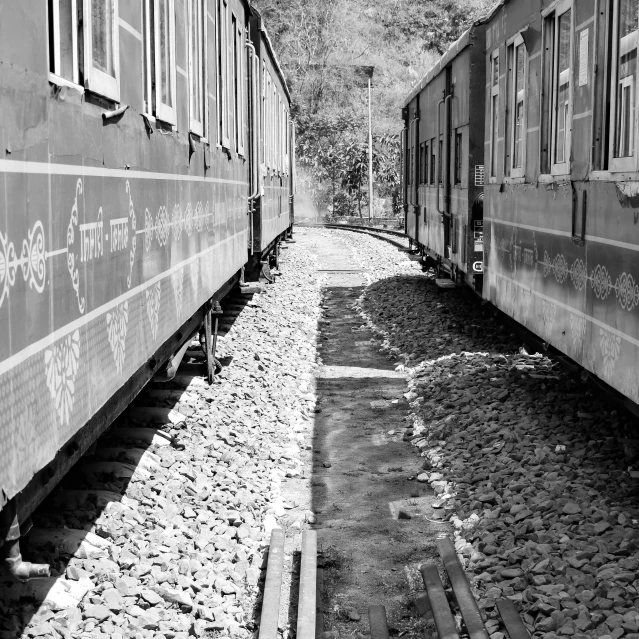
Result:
<point x="269" y="44"/>
<point x="453" y="51"/>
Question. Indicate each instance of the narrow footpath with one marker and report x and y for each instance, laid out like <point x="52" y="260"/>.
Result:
<point x="370" y="512"/>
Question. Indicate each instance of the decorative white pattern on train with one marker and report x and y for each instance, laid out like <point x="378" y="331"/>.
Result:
<point x="117" y="327"/>
<point x="61" y="365"/>
<point x="548" y="311"/>
<point x="610" y="349"/>
<point x="153" y="296"/>
<point x="195" y="276"/>
<point x="134" y="238"/>
<point x="578" y="326"/>
<point x="187" y="221"/>
<point x="178" y="289"/>
<point x="32" y="261"/>
<point x="71" y="256"/>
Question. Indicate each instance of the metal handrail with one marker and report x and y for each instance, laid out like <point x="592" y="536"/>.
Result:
<point x="254" y="113"/>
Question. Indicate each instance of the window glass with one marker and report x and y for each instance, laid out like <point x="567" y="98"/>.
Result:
<point x="63" y="39"/>
<point x="562" y="88"/>
<point x="627" y="34"/>
<point x="494" y="132"/>
<point x="432" y="161"/>
<point x="102" y="27"/>
<point x="426" y="158"/>
<point x="494" y="114"/>
<point x="222" y="75"/>
<point x="518" y="138"/>
<point x="164" y="53"/>
<point x="196" y="67"/>
<point x="458" y="158"/>
<point x="67" y="26"/>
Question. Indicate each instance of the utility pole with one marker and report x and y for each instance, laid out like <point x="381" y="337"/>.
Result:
<point x="370" y="150"/>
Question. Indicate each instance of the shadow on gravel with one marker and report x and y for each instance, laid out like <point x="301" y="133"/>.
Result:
<point x="92" y="498"/>
<point x="538" y="455"/>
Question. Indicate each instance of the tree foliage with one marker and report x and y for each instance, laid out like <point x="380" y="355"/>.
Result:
<point x="320" y="44"/>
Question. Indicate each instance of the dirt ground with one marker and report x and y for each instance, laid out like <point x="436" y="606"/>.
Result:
<point x="370" y="512"/>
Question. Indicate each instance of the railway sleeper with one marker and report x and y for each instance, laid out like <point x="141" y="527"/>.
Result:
<point x="378" y="623"/>
<point x="470" y="613"/>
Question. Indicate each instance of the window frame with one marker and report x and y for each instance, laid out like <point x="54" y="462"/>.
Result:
<point x="555" y="12"/>
<point x="53" y="18"/>
<point x="239" y="90"/>
<point x="629" y="163"/>
<point x="493" y="110"/>
<point x="286" y="141"/>
<point x="427" y="162"/>
<point x="198" y="127"/>
<point x="95" y="80"/>
<point x="221" y="39"/>
<point x="459" y="155"/>
<point x="433" y="163"/>
<point x="513" y="46"/>
<point x="152" y="52"/>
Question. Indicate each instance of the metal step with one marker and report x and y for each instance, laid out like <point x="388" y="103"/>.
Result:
<point x="273" y="586"/>
<point x="307" y="606"/>
<point x="444" y="620"/>
<point x="461" y="588"/>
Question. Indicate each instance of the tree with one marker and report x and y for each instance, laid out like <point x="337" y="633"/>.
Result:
<point x="316" y="41"/>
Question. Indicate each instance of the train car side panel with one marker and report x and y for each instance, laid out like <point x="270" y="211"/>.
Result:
<point x="563" y="243"/>
<point x="111" y="238"/>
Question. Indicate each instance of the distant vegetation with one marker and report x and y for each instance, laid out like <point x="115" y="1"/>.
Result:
<point x="322" y="46"/>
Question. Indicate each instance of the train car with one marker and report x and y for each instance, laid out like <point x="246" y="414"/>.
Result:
<point x="273" y="214"/>
<point x="146" y="161"/>
<point x="443" y="160"/>
<point x="561" y="199"/>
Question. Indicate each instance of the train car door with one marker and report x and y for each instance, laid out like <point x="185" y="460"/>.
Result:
<point x="477" y="256"/>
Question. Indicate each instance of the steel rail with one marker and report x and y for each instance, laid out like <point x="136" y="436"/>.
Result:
<point x="461" y="588"/>
<point x="273" y="586"/>
<point x="307" y="606"/>
<point x="444" y="620"/>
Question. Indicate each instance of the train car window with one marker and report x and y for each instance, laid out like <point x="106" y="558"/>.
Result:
<point x="494" y="113"/>
<point x="159" y="59"/>
<point x="197" y="66"/>
<point x="516" y="112"/>
<point x="222" y="74"/>
<point x="63" y="41"/>
<point x="426" y="162"/>
<point x="278" y="130"/>
<point x="239" y="88"/>
<point x="433" y="161"/>
<point x="101" y="48"/>
<point x="287" y="140"/>
<point x="623" y="94"/>
<point x="273" y="124"/>
<point x="440" y="153"/>
<point x="557" y="110"/>
<point x="267" y="118"/>
<point x="458" y="156"/>
<point x="281" y="135"/>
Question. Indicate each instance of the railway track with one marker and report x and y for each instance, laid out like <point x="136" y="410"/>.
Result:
<point x="396" y="238"/>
